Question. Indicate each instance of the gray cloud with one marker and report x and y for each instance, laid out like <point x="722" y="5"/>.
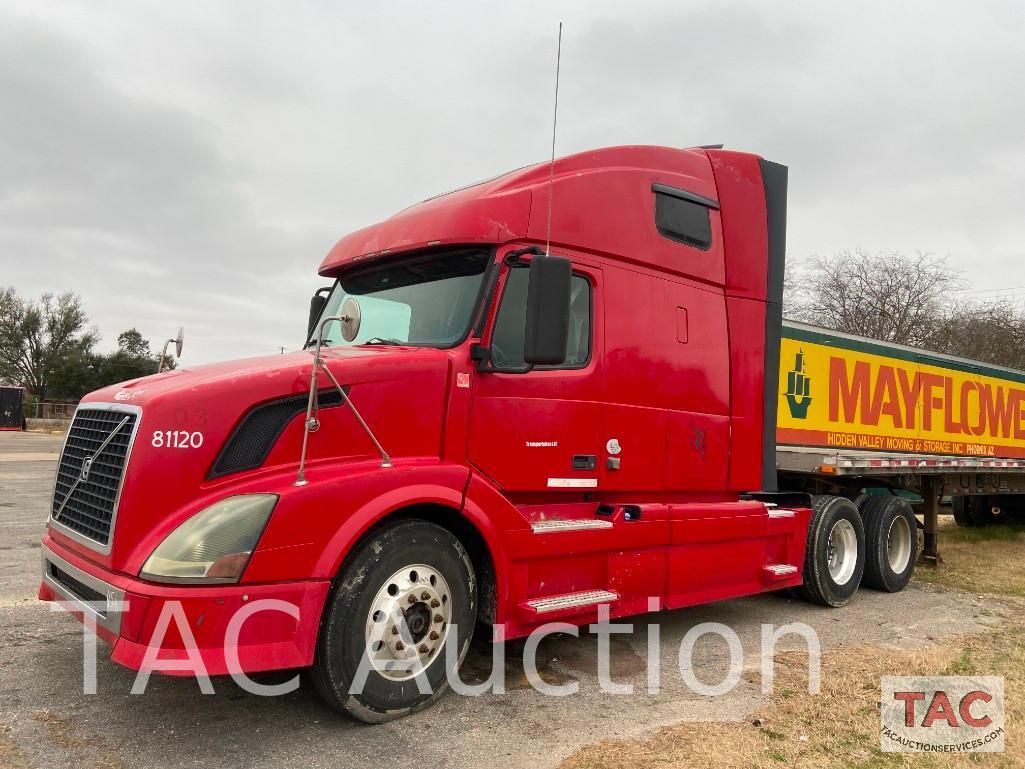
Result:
<point x="194" y="166"/>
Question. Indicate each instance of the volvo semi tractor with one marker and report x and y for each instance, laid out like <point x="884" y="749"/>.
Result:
<point x="518" y="402"/>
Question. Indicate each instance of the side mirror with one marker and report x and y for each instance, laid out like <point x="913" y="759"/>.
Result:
<point x="317" y="303"/>
<point x="350" y="319"/>
<point x="178" y="342"/>
<point x="548" y="298"/>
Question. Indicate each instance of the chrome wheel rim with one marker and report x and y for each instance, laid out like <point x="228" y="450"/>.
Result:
<point x="408" y="622"/>
<point x="842" y="551"/>
<point x="898" y="544"/>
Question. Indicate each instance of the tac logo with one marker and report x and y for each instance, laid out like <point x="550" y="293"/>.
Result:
<point x="798" y="389"/>
<point x="942" y="714"/>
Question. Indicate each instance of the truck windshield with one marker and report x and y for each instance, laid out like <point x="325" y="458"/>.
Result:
<point x="425" y="300"/>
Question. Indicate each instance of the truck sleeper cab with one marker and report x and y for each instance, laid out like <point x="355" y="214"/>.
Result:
<point x="496" y="433"/>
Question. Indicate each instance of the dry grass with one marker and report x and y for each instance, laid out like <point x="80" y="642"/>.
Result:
<point x="839" y="728"/>
<point x="988" y="559"/>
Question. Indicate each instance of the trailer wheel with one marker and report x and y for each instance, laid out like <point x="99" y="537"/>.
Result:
<point x="976" y="510"/>
<point x="989" y="510"/>
<point x="891" y="542"/>
<point x="961" y="507"/>
<point x="403" y="595"/>
<point x="834" y="557"/>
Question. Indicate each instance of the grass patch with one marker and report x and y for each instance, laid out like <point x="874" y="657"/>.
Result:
<point x="998" y="532"/>
<point x="987" y="559"/>
<point x="962" y="665"/>
<point x="839" y="728"/>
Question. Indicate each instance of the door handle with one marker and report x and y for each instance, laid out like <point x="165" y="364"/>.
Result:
<point x="585" y="461"/>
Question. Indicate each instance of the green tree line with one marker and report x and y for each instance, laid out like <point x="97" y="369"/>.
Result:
<point x="48" y="347"/>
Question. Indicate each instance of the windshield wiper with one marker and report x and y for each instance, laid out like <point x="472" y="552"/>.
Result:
<point x="381" y="340"/>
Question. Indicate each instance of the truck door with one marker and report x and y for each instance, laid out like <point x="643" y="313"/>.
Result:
<point x="539" y="430"/>
<point x="666" y="419"/>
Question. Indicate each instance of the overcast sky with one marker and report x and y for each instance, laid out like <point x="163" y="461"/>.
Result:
<point x="191" y="163"/>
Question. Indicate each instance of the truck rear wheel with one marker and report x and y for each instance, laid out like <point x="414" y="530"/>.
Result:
<point x="403" y="595"/>
<point x="976" y="510"/>
<point x="834" y="557"/>
<point x="891" y="542"/>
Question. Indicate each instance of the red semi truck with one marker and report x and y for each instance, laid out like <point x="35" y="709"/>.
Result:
<point x="482" y="429"/>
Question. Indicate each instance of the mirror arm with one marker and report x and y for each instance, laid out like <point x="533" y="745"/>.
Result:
<point x="514" y="256"/>
<point x="481" y="355"/>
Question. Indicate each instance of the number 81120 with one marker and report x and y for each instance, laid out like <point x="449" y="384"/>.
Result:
<point x="176" y="439"/>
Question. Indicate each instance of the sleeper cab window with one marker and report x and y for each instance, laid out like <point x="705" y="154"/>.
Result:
<point x="683" y="216"/>
<point x="510" y="324"/>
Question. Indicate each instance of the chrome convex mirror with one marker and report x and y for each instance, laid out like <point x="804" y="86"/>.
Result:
<point x="350" y="319"/>
<point x="178" y="342"/>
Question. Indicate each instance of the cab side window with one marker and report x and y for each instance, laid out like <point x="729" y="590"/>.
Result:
<point x="683" y="216"/>
<point x="510" y="323"/>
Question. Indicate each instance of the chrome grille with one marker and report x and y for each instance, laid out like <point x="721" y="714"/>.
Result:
<point x="86" y="503"/>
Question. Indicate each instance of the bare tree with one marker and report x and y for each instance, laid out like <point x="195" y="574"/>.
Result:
<point x="993" y="332"/>
<point x="890" y="296"/>
<point x="35" y="336"/>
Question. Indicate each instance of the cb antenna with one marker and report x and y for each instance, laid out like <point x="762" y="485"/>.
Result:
<point x="555" y="122"/>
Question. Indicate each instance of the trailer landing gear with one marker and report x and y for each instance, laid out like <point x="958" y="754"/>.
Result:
<point x="930" y="555"/>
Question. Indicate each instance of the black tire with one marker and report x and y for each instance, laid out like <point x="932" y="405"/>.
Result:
<point x="341" y="647"/>
<point x="819" y="585"/>
<point x="961" y="507"/>
<point x="888" y="520"/>
<point x="976" y="510"/>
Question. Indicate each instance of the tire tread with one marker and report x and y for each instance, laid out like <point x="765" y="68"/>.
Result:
<point x="872" y="513"/>
<point x="812" y="589"/>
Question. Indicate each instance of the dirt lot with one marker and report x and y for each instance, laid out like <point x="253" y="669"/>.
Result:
<point x="46" y="721"/>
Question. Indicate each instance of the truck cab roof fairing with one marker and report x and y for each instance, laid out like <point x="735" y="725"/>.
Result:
<point x="514" y="206"/>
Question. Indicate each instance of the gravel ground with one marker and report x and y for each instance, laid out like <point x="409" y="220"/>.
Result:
<point x="46" y="721"/>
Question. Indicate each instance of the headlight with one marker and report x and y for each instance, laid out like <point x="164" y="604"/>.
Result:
<point x="213" y="545"/>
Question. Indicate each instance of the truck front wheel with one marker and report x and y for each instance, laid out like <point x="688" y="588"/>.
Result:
<point x="891" y="542"/>
<point x="403" y="595"/>
<point x="834" y="558"/>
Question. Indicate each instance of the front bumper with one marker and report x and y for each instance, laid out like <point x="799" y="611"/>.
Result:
<point x="268" y="640"/>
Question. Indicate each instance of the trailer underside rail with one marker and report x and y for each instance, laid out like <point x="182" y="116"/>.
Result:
<point x="934" y="475"/>
<point x="808" y="459"/>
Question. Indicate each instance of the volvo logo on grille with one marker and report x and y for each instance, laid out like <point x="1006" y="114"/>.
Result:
<point x="86" y="467"/>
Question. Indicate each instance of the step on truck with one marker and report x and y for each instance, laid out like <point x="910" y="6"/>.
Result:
<point x="500" y="417"/>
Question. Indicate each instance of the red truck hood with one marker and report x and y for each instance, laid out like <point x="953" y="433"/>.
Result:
<point x="187" y="417"/>
<point x="284" y="370"/>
